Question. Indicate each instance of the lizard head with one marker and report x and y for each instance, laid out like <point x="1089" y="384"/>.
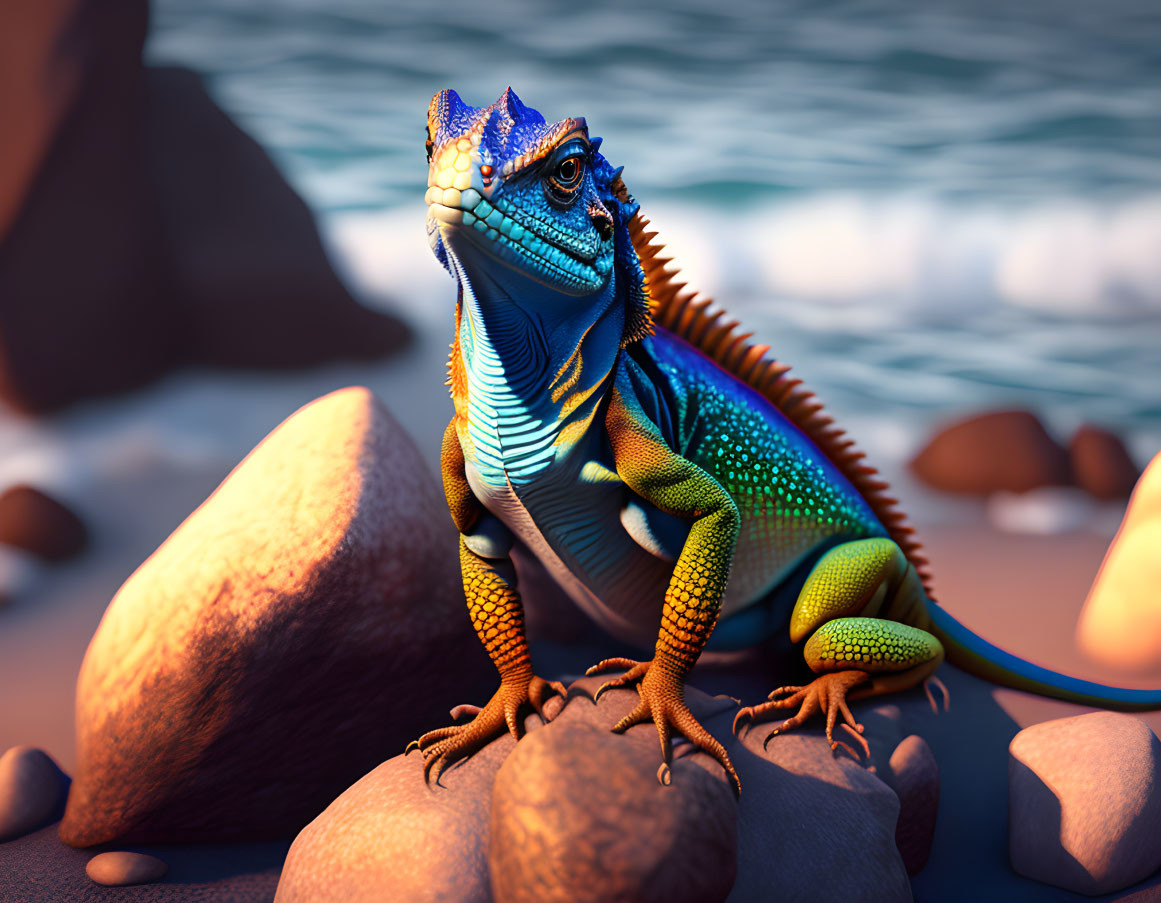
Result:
<point x="535" y="195"/>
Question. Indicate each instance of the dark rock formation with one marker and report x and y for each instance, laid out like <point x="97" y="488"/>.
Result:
<point x="139" y="228"/>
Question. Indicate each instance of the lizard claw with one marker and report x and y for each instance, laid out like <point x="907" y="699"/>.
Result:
<point x="636" y="672"/>
<point x="826" y="694"/>
<point x="934" y="681"/>
<point x="662" y="701"/>
<point x="445" y="746"/>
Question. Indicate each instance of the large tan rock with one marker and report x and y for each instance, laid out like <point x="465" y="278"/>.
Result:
<point x="1000" y="451"/>
<point x="300" y="627"/>
<point x="1085" y="802"/>
<point x="1120" y="624"/>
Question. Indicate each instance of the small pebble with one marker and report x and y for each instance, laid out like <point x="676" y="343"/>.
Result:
<point x="122" y="868"/>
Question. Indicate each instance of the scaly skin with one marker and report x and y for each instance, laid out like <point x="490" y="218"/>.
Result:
<point x="665" y="474"/>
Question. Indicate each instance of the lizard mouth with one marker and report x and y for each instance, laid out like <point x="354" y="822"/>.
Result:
<point x="517" y="243"/>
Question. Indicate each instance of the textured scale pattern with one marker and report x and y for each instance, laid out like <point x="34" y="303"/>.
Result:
<point x="692" y="318"/>
<point x="496" y="613"/>
<point x="869" y="644"/>
<point x="693" y="599"/>
<point x="846" y="577"/>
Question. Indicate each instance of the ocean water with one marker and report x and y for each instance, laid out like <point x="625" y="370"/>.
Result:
<point x="929" y="209"/>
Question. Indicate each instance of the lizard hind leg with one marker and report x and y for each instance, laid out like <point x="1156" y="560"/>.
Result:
<point x="854" y="654"/>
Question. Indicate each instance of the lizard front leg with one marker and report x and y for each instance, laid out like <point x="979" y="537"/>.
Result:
<point x="498" y="618"/>
<point x="675" y="485"/>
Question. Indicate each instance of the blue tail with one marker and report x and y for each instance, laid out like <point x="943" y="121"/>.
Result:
<point x="979" y="657"/>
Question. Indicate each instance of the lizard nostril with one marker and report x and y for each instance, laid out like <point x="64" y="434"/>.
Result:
<point x="603" y="223"/>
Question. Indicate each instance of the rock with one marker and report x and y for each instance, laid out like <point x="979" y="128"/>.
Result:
<point x="390" y="837"/>
<point x="579" y="815"/>
<point x="39" y="524"/>
<point x="1120" y="624"/>
<point x="1101" y="465"/>
<point x="121" y="868"/>
<point x="300" y="626"/>
<point x="914" y="776"/>
<point x="1085" y="802"/>
<point x="38" y="868"/>
<point x="998" y="451"/>
<point x="32" y="791"/>
<point x="139" y="228"/>
<point x="37" y="87"/>
<point x="800" y="804"/>
<point x="250" y="273"/>
<point x="84" y="288"/>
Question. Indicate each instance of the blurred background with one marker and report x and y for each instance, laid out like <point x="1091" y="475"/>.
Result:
<point x="932" y="210"/>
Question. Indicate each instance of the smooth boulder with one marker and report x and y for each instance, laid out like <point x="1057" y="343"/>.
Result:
<point x="1000" y="451"/>
<point x="1085" y="802"/>
<point x="32" y="791"/>
<point x="1120" y="624"/>
<point x="298" y="628"/>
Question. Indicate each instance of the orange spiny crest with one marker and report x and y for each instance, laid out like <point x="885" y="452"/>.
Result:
<point x="687" y="316"/>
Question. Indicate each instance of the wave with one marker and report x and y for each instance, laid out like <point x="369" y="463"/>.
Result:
<point x="1068" y="258"/>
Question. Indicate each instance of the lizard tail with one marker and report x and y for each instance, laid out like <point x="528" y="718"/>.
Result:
<point x="979" y="657"/>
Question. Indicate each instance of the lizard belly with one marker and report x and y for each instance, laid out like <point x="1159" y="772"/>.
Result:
<point x="574" y="529"/>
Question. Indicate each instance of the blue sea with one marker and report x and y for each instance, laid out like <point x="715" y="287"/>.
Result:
<point x="928" y="208"/>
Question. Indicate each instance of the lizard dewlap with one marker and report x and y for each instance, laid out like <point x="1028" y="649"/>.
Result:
<point x="679" y="486"/>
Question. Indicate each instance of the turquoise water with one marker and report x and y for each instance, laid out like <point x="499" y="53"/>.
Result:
<point x="927" y="208"/>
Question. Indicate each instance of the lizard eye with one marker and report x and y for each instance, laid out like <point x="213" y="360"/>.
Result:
<point x="430" y="144"/>
<point x="565" y="177"/>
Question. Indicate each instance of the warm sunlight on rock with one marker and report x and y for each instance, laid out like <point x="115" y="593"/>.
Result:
<point x="1120" y="625"/>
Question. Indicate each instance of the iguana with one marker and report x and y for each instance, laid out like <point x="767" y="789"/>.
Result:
<point x="676" y="483"/>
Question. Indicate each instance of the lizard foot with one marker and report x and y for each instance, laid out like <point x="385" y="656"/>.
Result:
<point x="445" y="746"/>
<point x="662" y="701"/>
<point x="827" y="693"/>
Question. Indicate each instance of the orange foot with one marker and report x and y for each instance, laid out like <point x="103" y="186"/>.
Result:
<point x="827" y="693"/>
<point x="663" y="702"/>
<point x="446" y="745"/>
